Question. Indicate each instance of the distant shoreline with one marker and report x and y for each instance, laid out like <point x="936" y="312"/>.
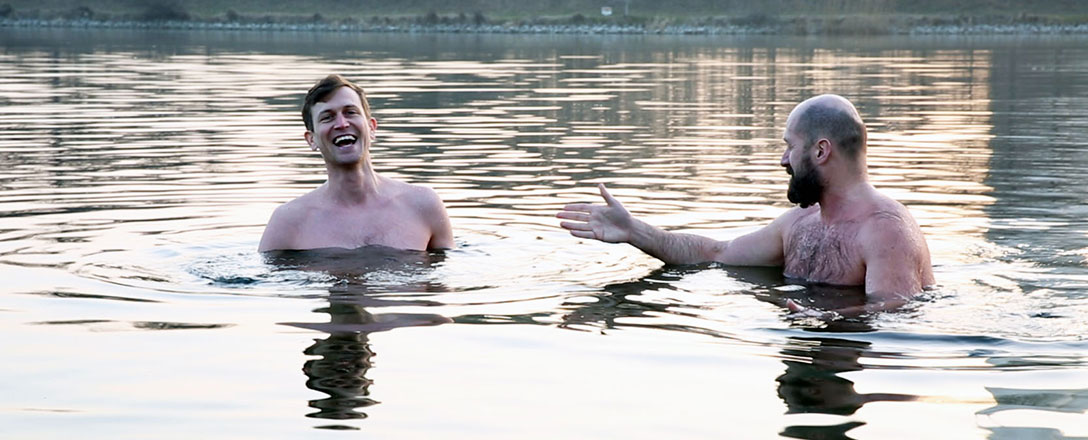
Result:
<point x="809" y="26"/>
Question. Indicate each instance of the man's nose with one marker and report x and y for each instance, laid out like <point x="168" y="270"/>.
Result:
<point x="785" y="159"/>
<point x="341" y="121"/>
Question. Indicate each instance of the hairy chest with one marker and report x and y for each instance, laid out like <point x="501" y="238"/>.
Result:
<point x="821" y="253"/>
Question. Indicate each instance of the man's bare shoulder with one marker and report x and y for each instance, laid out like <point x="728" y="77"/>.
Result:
<point x="796" y="216"/>
<point x="891" y="228"/>
<point x="424" y="204"/>
<point x="297" y="209"/>
<point x="284" y="227"/>
<point x="418" y="197"/>
<point x="895" y="249"/>
<point x="888" y="213"/>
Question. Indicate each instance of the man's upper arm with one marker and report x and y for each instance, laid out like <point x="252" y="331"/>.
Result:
<point x="897" y="262"/>
<point x="439" y="220"/>
<point x="762" y="247"/>
<point x="278" y="234"/>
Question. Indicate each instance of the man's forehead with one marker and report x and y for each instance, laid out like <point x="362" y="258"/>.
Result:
<point x="343" y="96"/>
<point x="788" y="131"/>
<point x="788" y="136"/>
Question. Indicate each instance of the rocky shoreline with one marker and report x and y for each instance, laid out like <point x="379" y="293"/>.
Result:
<point x="789" y="27"/>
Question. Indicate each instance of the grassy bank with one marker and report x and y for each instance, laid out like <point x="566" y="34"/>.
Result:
<point x="777" y="16"/>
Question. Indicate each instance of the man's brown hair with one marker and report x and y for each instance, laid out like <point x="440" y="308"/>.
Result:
<point x="321" y="91"/>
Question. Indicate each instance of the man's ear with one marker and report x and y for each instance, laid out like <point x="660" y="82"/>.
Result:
<point x="310" y="140"/>
<point x="822" y="151"/>
<point x="373" y="129"/>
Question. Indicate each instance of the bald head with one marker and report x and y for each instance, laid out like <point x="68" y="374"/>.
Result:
<point x="830" y="117"/>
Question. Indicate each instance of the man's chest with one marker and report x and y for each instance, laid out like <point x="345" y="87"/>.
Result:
<point x="825" y="254"/>
<point x="352" y="230"/>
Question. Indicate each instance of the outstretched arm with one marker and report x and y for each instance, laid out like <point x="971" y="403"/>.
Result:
<point x="612" y="223"/>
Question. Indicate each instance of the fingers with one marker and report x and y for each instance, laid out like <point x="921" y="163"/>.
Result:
<point x="580" y="215"/>
<point x="793" y="306"/>
<point x="573" y="215"/>
<point x="583" y="234"/>
<point x="576" y="226"/>
<point x="799" y="311"/>
<point x="578" y="207"/>
<point x="589" y="207"/>
<point x="611" y="201"/>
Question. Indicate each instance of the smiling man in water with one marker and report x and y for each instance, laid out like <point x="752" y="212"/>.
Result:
<point x="355" y="207"/>
<point x="842" y="233"/>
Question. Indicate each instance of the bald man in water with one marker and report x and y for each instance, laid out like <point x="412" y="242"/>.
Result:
<point x="355" y="207"/>
<point x="842" y="233"/>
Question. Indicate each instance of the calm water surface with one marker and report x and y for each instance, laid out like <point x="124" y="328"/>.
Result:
<point x="138" y="168"/>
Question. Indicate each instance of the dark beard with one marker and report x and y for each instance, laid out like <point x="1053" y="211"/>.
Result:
<point x="805" y="189"/>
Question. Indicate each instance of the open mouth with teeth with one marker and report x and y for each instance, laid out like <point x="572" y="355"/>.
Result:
<point x="344" y="140"/>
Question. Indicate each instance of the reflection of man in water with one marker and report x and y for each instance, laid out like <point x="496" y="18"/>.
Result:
<point x="814" y="384"/>
<point x="843" y="233"/>
<point x="344" y="357"/>
<point x="340" y="369"/>
<point x="355" y="207"/>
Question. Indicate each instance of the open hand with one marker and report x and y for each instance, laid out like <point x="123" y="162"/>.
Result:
<point x="610" y="223"/>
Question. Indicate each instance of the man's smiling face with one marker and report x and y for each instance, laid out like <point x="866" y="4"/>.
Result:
<point x="342" y="132"/>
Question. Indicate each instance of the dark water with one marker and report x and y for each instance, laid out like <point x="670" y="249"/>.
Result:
<point x="137" y="170"/>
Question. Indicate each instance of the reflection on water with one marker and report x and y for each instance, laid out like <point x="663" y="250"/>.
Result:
<point x="344" y="357"/>
<point x="821" y="432"/>
<point x="137" y="170"/>
<point x="1071" y="401"/>
<point x="813" y="383"/>
<point x="630" y="303"/>
<point x="1074" y="401"/>
<point x="666" y="291"/>
<point x="340" y="372"/>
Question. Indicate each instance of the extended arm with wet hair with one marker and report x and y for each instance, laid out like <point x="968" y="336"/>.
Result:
<point x="612" y="223"/>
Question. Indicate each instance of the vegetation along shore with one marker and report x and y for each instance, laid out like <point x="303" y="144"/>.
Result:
<point x="788" y="17"/>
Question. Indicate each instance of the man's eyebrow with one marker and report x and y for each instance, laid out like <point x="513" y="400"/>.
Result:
<point x="329" y="109"/>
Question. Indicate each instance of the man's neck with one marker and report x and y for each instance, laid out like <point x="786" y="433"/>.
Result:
<point x="353" y="185"/>
<point x="841" y="201"/>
